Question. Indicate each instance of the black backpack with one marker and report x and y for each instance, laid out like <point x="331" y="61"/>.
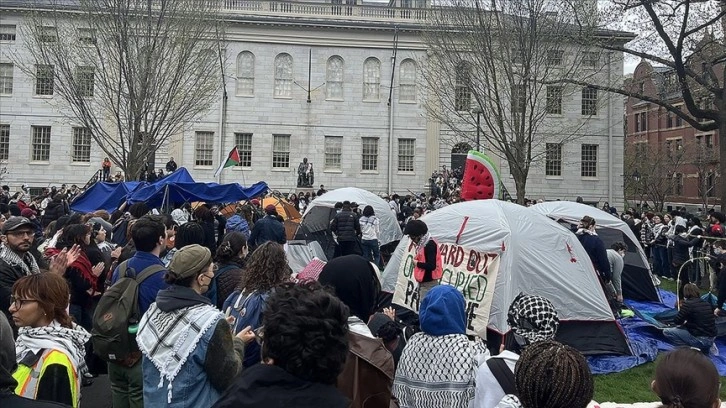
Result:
<point x="113" y="335"/>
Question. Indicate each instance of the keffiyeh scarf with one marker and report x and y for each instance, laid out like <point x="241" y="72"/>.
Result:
<point x="533" y="317"/>
<point x="54" y="336"/>
<point x="13" y="259"/>
<point x="422" y="242"/>
<point x="168" y="338"/>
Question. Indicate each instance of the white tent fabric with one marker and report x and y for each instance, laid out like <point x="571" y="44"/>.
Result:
<point x="317" y="215"/>
<point x="537" y="256"/>
<point x="573" y="212"/>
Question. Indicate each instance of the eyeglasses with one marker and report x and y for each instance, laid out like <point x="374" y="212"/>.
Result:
<point x="18" y="303"/>
<point x="21" y="233"/>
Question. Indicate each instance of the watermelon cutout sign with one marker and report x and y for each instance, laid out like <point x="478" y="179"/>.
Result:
<point x="481" y="178"/>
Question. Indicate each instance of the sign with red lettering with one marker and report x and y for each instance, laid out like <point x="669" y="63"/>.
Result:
<point x="472" y="272"/>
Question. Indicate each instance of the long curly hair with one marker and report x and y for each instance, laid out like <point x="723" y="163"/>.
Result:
<point x="266" y="268"/>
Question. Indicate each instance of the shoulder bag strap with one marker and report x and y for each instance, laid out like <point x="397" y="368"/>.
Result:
<point x="504" y="376"/>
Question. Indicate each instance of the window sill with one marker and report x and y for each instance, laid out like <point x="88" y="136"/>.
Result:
<point x="407" y="102"/>
<point x="282" y="97"/>
<point x="43" y="96"/>
<point x="6" y="94"/>
<point x="554" y="178"/>
<point x="241" y="168"/>
<point x="245" y="96"/>
<point x="82" y="164"/>
<point x="331" y="171"/>
<point x="406" y="173"/>
<point x="371" y="101"/>
<point x="555" y="115"/>
<point x="369" y="172"/>
<point x="39" y="163"/>
<point x="203" y="167"/>
<point x="590" y="178"/>
<point x="334" y="100"/>
<point x="281" y="170"/>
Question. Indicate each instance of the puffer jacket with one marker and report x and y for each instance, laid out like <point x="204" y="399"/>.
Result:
<point x="53" y="211"/>
<point x="346" y="226"/>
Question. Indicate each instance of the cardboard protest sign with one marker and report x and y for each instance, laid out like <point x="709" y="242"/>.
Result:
<point x="472" y="272"/>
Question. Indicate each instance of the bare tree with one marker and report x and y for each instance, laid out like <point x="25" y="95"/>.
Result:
<point x="687" y="37"/>
<point x="495" y="71"/>
<point x="704" y="161"/>
<point x="132" y="73"/>
<point x="657" y="168"/>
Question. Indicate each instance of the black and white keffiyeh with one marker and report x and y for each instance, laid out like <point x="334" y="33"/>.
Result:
<point x="13" y="259"/>
<point x="168" y="338"/>
<point x="56" y="337"/>
<point x="533" y="317"/>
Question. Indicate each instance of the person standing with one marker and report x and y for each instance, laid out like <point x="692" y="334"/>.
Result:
<point x="268" y="228"/>
<point x="594" y="247"/>
<point x="347" y="229"/>
<point x="106" y="169"/>
<point x="370" y="227"/>
<point x="149" y="237"/>
<point x="190" y="355"/>
<point x="171" y="165"/>
<point x="428" y="269"/>
<point x="322" y="190"/>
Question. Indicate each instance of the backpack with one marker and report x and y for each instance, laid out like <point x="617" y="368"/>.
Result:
<point x="113" y="334"/>
<point x="247" y="311"/>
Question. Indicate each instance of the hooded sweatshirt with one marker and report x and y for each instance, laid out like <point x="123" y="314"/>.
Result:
<point x="438" y="365"/>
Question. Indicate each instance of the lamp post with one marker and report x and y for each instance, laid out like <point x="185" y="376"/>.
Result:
<point x="477" y="110"/>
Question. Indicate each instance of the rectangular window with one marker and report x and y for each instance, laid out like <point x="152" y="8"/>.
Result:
<point x="47" y="34"/>
<point x="678" y="184"/>
<point x="40" y="143"/>
<point x="87" y="36"/>
<point x="406" y="154"/>
<point x="641" y="122"/>
<point x="204" y="149"/>
<point x="679" y="121"/>
<point x="590" y="59"/>
<point x="669" y="120"/>
<point x="711" y="185"/>
<point x="244" y="147"/>
<point x="553" y="159"/>
<point x="369" y="160"/>
<point x="333" y="152"/>
<point x="588" y="165"/>
<point x="554" y="57"/>
<point x="589" y="101"/>
<point x="84" y="81"/>
<point x="554" y="100"/>
<point x="709" y="140"/>
<point x="81" y="145"/>
<point x="7" y="32"/>
<point x="4" y="142"/>
<point x="44" y="79"/>
<point x="280" y="151"/>
<point x="6" y="79"/>
<point x="518" y="98"/>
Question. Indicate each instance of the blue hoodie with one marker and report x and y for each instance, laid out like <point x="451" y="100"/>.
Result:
<point x="443" y="311"/>
<point x="238" y="223"/>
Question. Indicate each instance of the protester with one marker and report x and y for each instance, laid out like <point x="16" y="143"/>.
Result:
<point x="347" y="230"/>
<point x="267" y="229"/>
<point x="370" y="227"/>
<point x="421" y="380"/>
<point x="205" y="218"/>
<point x="239" y="223"/>
<point x="190" y="355"/>
<point x="551" y="375"/>
<point x="171" y="165"/>
<point x="685" y="378"/>
<point x="594" y="247"/>
<point x="230" y="260"/>
<point x="148" y="234"/>
<point x="659" y="248"/>
<point x="682" y="244"/>
<point x="428" y="269"/>
<point x="266" y="268"/>
<point x="616" y="253"/>
<point x="532" y="319"/>
<point x="106" y="167"/>
<point x="187" y="234"/>
<point x="696" y="320"/>
<point x="50" y="348"/>
<point x="180" y="214"/>
<point x="384" y="326"/>
<point x="367" y="377"/>
<point x="16" y="260"/>
<point x="304" y="349"/>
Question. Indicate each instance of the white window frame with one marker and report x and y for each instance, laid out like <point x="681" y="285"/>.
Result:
<point x="4" y="142"/>
<point x="333" y="153"/>
<point x="589" y="160"/>
<point x="245" y="74"/>
<point x="87" y="36"/>
<point x="589" y="102"/>
<point x="6" y="78"/>
<point x="406" y="155"/>
<point x="40" y="143"/>
<point x="203" y="149"/>
<point x="8" y="32"/>
<point x="84" y="77"/>
<point x="408" y="72"/>
<point x="372" y="80"/>
<point x="283" y="76"/>
<point x="555" y="57"/>
<point x="280" y="151"/>
<point x="591" y="59"/>
<point x="369" y="154"/>
<point x="47" y="34"/>
<point x="553" y="104"/>
<point x="334" y="75"/>
<point x="81" y="145"/>
<point x="44" y="80"/>
<point x="243" y="141"/>
<point x="553" y="160"/>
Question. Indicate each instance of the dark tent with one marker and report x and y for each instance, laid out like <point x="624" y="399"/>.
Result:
<point x="157" y="195"/>
<point x="104" y="196"/>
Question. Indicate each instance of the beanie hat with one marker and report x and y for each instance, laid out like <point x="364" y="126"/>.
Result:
<point x="189" y="261"/>
<point x="416" y="228"/>
<point x="533" y="317"/>
<point x="271" y="209"/>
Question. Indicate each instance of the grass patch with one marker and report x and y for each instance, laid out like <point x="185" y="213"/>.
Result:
<point x="634" y="385"/>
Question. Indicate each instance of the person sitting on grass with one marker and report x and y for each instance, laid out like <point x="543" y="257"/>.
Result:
<point x="696" y="320"/>
<point x="685" y="378"/>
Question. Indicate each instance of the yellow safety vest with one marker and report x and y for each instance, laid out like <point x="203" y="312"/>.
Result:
<point x="28" y="378"/>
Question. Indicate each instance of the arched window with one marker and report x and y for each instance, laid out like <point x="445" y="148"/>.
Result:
<point x="334" y="78"/>
<point x="246" y="74"/>
<point x="462" y="93"/>
<point x="372" y="79"/>
<point x="283" y="76"/>
<point x="407" y="81"/>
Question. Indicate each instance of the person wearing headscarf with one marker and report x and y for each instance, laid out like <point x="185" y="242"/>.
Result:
<point x="428" y="269"/>
<point x="368" y="373"/>
<point x="189" y="353"/>
<point x="532" y="319"/>
<point x="422" y="381"/>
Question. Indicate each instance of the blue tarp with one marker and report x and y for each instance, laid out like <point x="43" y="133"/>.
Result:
<point x="647" y="340"/>
<point x="104" y="196"/>
<point x="155" y="195"/>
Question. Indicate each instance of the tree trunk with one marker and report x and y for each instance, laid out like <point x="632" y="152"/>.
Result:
<point x="520" y="185"/>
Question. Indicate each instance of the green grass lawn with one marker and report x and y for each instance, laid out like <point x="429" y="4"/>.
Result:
<point x="633" y="385"/>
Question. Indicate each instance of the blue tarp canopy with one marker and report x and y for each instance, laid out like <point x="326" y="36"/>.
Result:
<point x="155" y="195"/>
<point x="104" y="196"/>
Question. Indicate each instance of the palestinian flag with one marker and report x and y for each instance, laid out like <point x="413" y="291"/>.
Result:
<point x="232" y="160"/>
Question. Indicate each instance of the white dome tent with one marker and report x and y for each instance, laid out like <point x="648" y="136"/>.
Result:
<point x="536" y="256"/>
<point x="637" y="282"/>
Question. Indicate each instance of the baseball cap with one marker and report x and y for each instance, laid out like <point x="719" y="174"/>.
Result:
<point x="16" y="222"/>
<point x="270" y="209"/>
<point x="27" y="212"/>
